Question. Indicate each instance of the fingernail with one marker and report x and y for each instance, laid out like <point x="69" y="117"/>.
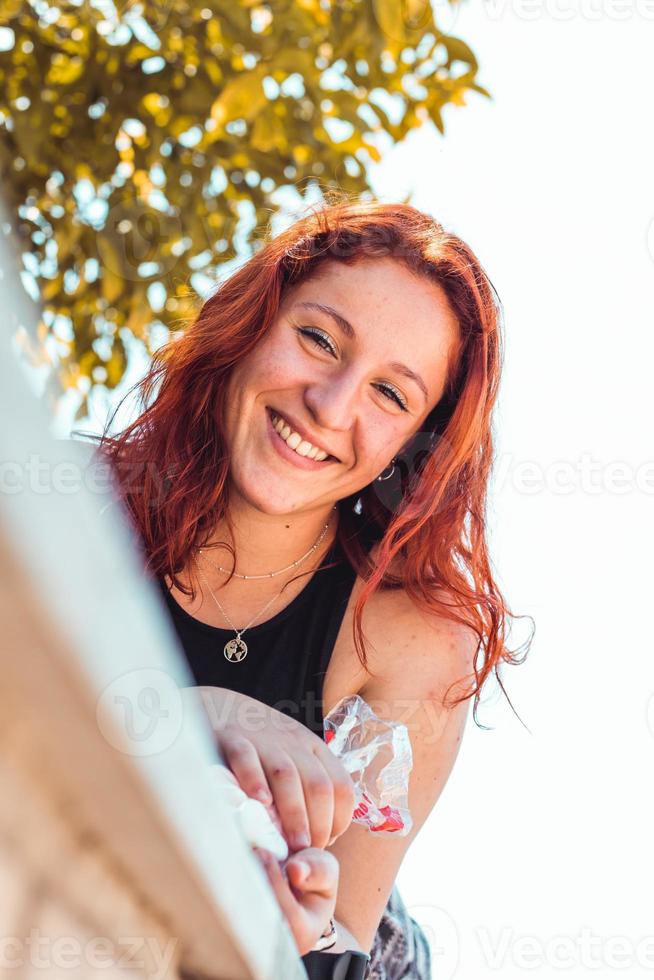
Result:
<point x="263" y="796"/>
<point x="303" y="870"/>
<point x="300" y="841"/>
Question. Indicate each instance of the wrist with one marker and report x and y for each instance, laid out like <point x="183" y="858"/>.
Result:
<point x="345" y="940"/>
<point x="328" y="938"/>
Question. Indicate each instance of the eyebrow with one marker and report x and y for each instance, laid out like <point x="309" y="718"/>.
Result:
<point x="350" y="333"/>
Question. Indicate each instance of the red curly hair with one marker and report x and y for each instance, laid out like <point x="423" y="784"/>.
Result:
<point x="435" y="524"/>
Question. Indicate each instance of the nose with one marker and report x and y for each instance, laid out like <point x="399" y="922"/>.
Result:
<point x="332" y="402"/>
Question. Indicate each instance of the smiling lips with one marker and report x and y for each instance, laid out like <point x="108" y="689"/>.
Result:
<point x="295" y="441"/>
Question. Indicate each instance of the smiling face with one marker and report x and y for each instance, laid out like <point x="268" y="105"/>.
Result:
<point x="357" y="387"/>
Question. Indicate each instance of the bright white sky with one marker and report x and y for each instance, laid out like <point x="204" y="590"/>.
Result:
<point x="537" y="860"/>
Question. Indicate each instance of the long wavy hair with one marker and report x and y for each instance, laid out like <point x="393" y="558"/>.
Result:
<point x="430" y="522"/>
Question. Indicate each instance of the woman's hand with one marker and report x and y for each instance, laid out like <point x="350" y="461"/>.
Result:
<point x="277" y="759"/>
<point x="305" y="886"/>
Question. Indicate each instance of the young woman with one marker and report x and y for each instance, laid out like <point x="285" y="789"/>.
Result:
<point x="309" y="481"/>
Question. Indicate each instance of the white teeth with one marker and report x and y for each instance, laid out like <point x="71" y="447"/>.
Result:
<point x="295" y="441"/>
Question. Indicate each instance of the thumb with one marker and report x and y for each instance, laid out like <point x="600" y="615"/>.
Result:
<point x="314" y="870"/>
<point x="300" y="870"/>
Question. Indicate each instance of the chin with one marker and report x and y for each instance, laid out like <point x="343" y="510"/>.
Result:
<point x="264" y="498"/>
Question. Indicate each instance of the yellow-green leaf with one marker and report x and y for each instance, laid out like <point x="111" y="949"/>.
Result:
<point x="64" y="71"/>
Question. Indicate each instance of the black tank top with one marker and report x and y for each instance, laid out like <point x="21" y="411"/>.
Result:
<point x="287" y="656"/>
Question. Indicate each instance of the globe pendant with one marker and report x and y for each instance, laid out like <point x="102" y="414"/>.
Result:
<point x="236" y="650"/>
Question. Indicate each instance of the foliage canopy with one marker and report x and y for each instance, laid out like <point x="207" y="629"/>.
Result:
<point x="132" y="137"/>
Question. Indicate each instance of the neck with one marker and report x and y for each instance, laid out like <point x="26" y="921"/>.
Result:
<point x="265" y="543"/>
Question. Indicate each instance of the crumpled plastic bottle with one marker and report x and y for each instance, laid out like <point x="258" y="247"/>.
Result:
<point x="377" y="754"/>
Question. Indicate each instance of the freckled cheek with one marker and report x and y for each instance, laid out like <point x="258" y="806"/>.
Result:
<point x="264" y="372"/>
<point x="238" y="402"/>
<point x="271" y="369"/>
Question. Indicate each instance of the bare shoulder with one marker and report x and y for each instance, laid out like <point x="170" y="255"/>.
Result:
<point x="401" y="641"/>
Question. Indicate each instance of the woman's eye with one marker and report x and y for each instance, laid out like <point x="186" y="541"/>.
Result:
<point x="319" y="339"/>
<point x="393" y="395"/>
<point x="322" y="341"/>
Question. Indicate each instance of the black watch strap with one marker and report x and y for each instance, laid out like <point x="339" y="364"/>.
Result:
<point x="350" y="965"/>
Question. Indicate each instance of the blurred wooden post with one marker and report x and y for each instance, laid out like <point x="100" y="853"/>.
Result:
<point x="115" y="851"/>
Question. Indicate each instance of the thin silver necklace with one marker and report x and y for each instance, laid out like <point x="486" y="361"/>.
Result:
<point x="294" y="564"/>
<point x="236" y="649"/>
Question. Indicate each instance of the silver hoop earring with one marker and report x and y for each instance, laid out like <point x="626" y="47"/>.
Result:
<point x="389" y="475"/>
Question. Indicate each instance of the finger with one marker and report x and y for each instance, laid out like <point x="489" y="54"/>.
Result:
<point x="287" y="901"/>
<point x="343" y="789"/>
<point x="318" y="797"/>
<point x="286" y="786"/>
<point x="316" y="894"/>
<point x="243" y="759"/>
<point x="298" y="875"/>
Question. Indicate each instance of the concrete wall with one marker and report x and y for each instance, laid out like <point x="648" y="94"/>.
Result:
<point x="114" y="845"/>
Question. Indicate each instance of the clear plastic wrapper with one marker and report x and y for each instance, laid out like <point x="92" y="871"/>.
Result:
<point x="377" y="754"/>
